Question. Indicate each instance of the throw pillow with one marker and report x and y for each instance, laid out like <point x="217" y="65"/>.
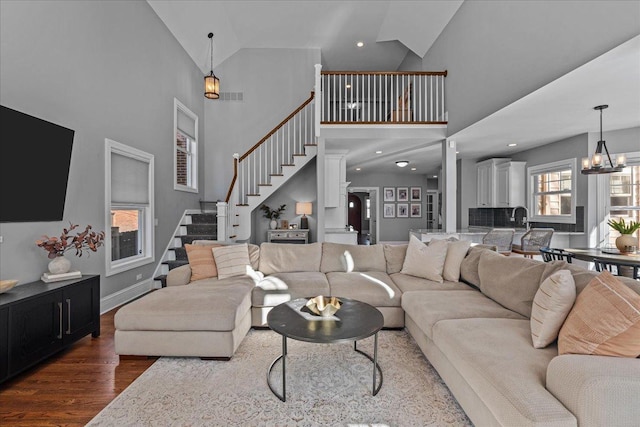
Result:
<point x="605" y="320"/>
<point x="201" y="261"/>
<point x="232" y="260"/>
<point x="552" y="303"/>
<point x="425" y="261"/>
<point x="456" y="251"/>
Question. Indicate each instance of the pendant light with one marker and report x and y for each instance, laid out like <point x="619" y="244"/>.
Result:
<point x="597" y="163"/>
<point x="211" y="82"/>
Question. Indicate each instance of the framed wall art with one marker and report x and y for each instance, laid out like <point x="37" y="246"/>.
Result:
<point x="403" y="210"/>
<point x="389" y="194"/>
<point x="403" y="194"/>
<point x="389" y="210"/>
<point x="416" y="194"/>
<point x="416" y="210"/>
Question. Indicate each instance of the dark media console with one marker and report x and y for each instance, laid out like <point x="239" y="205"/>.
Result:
<point x="39" y="319"/>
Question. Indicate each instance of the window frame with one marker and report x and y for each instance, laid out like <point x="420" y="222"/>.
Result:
<point x="633" y="159"/>
<point x="561" y="165"/>
<point x="191" y="151"/>
<point x="146" y="218"/>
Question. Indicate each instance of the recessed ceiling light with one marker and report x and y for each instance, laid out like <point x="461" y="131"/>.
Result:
<point x="379" y="152"/>
<point x="513" y="144"/>
<point x="402" y="163"/>
<point x="457" y="152"/>
<point x="413" y="169"/>
<point x="348" y="86"/>
<point x="357" y="169"/>
<point x="360" y="44"/>
<point x="435" y="176"/>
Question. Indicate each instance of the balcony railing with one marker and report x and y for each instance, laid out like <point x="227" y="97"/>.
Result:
<point x="350" y="97"/>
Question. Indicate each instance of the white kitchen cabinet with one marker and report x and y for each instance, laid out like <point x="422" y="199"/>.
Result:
<point x="510" y="184"/>
<point x="487" y="179"/>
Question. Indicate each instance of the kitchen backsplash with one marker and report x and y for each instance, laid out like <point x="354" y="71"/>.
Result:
<point x="501" y="217"/>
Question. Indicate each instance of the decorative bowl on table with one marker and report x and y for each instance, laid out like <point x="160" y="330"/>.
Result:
<point x="324" y="306"/>
<point x="7" y="285"/>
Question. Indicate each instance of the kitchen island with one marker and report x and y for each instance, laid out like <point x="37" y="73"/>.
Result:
<point x="560" y="239"/>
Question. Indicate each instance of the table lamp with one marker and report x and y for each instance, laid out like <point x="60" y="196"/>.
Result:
<point x="304" y="209"/>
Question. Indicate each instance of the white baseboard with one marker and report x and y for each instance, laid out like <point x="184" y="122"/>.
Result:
<point x="125" y="295"/>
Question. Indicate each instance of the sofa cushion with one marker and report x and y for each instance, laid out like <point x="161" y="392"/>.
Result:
<point x="456" y="251"/>
<point x="394" y="255"/>
<point x="254" y="250"/>
<point x="188" y="308"/>
<point x="469" y="265"/>
<point x="285" y="257"/>
<point x="551" y="304"/>
<point x="605" y="320"/>
<point x="346" y="258"/>
<point x="201" y="261"/>
<point x="281" y="287"/>
<point x="373" y="287"/>
<point x="426" y="308"/>
<point x="496" y="359"/>
<point x="407" y="282"/>
<point x="425" y="261"/>
<point x="510" y="281"/>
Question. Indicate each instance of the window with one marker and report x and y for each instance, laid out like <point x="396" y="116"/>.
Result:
<point x="129" y="202"/>
<point x="552" y="192"/>
<point x="185" y="127"/>
<point x="624" y="195"/>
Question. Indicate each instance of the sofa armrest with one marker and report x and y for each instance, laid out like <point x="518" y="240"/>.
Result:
<point x="179" y="276"/>
<point x="598" y="390"/>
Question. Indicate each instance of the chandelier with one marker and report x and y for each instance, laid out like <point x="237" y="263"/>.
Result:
<point x="596" y="164"/>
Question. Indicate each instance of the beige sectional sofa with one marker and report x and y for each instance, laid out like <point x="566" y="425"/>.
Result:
<point x="475" y="332"/>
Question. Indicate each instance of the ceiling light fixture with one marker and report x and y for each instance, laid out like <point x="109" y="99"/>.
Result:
<point x="379" y="152"/>
<point x="402" y="163"/>
<point x="596" y="165"/>
<point x="513" y="144"/>
<point x="360" y="44"/>
<point x="211" y="82"/>
<point x="358" y="169"/>
<point x="413" y="169"/>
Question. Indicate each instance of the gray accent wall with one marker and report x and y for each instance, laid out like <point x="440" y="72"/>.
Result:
<point x="274" y="83"/>
<point x="496" y="52"/>
<point x="106" y="69"/>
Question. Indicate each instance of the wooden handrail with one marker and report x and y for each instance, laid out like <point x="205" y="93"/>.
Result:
<point x="252" y="149"/>
<point x="387" y="73"/>
<point x="275" y="129"/>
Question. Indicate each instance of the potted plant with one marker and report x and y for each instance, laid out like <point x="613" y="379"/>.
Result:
<point x="626" y="242"/>
<point x="85" y="241"/>
<point x="272" y="214"/>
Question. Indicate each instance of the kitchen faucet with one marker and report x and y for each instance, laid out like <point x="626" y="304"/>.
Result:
<point x="525" y="218"/>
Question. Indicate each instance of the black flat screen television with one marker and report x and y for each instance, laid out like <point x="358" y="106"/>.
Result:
<point x="35" y="156"/>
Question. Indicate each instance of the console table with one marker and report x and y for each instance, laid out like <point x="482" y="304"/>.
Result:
<point x="39" y="319"/>
<point x="300" y="236"/>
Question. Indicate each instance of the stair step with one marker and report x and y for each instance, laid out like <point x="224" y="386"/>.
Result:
<point x="174" y="264"/>
<point x="181" y="253"/>
<point x="162" y="279"/>
<point x="288" y="164"/>
<point x="233" y="236"/>
<point x="189" y="238"/>
<point x="311" y="145"/>
<point x="276" y="174"/>
<point x="255" y="195"/>
<point x="236" y="225"/>
<point x="208" y="218"/>
<point x="302" y="155"/>
<point x="265" y="185"/>
<point x="242" y="204"/>
<point x="202" y="228"/>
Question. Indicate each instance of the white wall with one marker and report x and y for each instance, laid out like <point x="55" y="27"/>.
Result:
<point x="274" y="82"/>
<point x="107" y="69"/>
<point x="498" y="51"/>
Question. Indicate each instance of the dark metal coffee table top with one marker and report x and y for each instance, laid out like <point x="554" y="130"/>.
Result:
<point x="355" y="320"/>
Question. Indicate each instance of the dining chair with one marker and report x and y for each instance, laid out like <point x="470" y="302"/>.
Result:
<point x="501" y="238"/>
<point x="551" y="254"/>
<point x="618" y="268"/>
<point x="532" y="241"/>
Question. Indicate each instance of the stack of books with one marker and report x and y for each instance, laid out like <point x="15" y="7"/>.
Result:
<point x="50" y="277"/>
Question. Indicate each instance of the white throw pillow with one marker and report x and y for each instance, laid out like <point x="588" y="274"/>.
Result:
<point x="425" y="261"/>
<point x="551" y="305"/>
<point x="456" y="251"/>
<point x="233" y="260"/>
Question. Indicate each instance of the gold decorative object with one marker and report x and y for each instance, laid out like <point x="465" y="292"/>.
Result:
<point x="324" y="306"/>
<point x="6" y="285"/>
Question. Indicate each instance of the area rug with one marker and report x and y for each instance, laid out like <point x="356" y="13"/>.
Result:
<point x="327" y="385"/>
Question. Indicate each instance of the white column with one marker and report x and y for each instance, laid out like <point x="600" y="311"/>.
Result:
<point x="449" y="186"/>
<point x="320" y="188"/>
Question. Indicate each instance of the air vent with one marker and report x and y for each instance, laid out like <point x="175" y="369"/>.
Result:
<point x="231" y="96"/>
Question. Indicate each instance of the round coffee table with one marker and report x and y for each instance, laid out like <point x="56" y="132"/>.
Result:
<point x="355" y="320"/>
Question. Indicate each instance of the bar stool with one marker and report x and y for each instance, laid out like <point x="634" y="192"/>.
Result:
<point x="551" y="254"/>
<point x="532" y="241"/>
<point x="501" y="238"/>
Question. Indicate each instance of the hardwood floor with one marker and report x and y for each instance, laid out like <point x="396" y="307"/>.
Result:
<point x="70" y="388"/>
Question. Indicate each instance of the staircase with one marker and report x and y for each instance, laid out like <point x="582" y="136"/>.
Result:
<point x="195" y="226"/>
<point x="271" y="162"/>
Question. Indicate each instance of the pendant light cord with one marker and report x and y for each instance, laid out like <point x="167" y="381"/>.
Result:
<point x="211" y="38"/>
